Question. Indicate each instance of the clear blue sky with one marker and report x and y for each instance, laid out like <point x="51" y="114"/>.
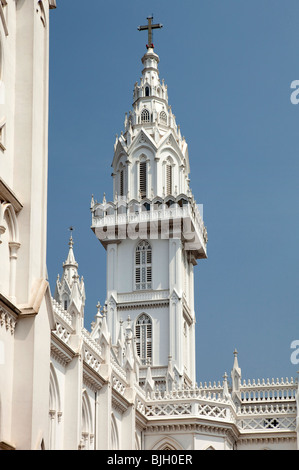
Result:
<point x="228" y="66"/>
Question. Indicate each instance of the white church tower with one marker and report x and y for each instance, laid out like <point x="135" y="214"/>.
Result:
<point x="154" y="235"/>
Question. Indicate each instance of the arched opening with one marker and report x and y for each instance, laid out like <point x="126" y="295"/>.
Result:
<point x="87" y="426"/>
<point x="114" y="434"/>
<point x="163" y="117"/>
<point x="145" y="116"/>
<point x="54" y="411"/>
<point x="143" y="332"/>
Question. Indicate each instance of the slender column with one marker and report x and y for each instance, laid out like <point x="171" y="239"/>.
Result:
<point x="13" y="250"/>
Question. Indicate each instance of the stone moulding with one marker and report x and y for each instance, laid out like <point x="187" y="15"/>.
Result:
<point x="7" y="320"/>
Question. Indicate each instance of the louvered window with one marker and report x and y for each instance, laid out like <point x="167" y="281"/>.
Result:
<point x="145" y="116"/>
<point x="121" y="183"/>
<point x="142" y="180"/>
<point x="144" y="338"/>
<point x="143" y="266"/>
<point x="169" y="179"/>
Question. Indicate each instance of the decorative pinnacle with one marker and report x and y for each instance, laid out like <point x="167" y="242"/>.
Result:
<point x="71" y="242"/>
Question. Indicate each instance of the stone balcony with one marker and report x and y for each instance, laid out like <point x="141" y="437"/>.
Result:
<point x="157" y="218"/>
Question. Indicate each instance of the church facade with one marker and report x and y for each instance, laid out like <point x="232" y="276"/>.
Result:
<point x="128" y="382"/>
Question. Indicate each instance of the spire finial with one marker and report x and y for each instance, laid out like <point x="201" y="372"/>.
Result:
<point x="71" y="242"/>
<point x="149" y="27"/>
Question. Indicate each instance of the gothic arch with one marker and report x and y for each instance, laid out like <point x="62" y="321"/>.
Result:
<point x="145" y="116"/>
<point x="167" y="443"/>
<point x="147" y="90"/>
<point x="87" y="425"/>
<point x="55" y="401"/>
<point x="7" y="210"/>
<point x="114" y="434"/>
<point x="9" y="245"/>
<point x="163" y="117"/>
<point x="144" y="338"/>
<point x="54" y="410"/>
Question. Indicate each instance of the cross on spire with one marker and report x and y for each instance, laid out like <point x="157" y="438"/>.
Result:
<point x="150" y="27"/>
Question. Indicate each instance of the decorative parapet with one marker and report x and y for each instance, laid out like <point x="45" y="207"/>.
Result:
<point x="132" y="297"/>
<point x="7" y="320"/>
<point x="275" y="411"/>
<point x="266" y="390"/>
<point x="92" y="345"/>
<point x="126" y="215"/>
<point x="61" y="313"/>
<point x="208" y="402"/>
<point x="119" y="385"/>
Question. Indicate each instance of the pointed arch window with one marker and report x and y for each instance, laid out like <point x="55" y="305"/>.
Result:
<point x="145" y="115"/>
<point x="147" y="91"/>
<point x="143" y="266"/>
<point x="163" y="117"/>
<point x="144" y="338"/>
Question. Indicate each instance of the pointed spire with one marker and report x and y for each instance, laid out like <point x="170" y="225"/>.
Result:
<point x="226" y="393"/>
<point x="70" y="261"/>
<point x="120" y="341"/>
<point x="236" y="379"/>
<point x="149" y="385"/>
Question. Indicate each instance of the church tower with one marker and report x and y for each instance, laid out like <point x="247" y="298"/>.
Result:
<point x="154" y="235"/>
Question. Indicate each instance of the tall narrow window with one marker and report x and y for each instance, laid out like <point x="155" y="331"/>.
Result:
<point x="145" y="116"/>
<point x="144" y="338"/>
<point x="169" y="179"/>
<point x="143" y="266"/>
<point x="147" y="91"/>
<point x="121" y="183"/>
<point x="142" y="180"/>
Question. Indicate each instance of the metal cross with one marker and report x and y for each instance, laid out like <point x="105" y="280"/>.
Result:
<point x="150" y="27"/>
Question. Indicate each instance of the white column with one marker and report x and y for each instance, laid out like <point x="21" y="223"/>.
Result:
<point x="13" y="250"/>
<point x="103" y="419"/>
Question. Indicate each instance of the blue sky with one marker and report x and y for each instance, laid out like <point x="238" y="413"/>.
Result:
<point x="228" y="66"/>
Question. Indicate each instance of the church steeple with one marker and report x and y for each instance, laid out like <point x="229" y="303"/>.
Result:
<point x="151" y="156"/>
<point x="153" y="233"/>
